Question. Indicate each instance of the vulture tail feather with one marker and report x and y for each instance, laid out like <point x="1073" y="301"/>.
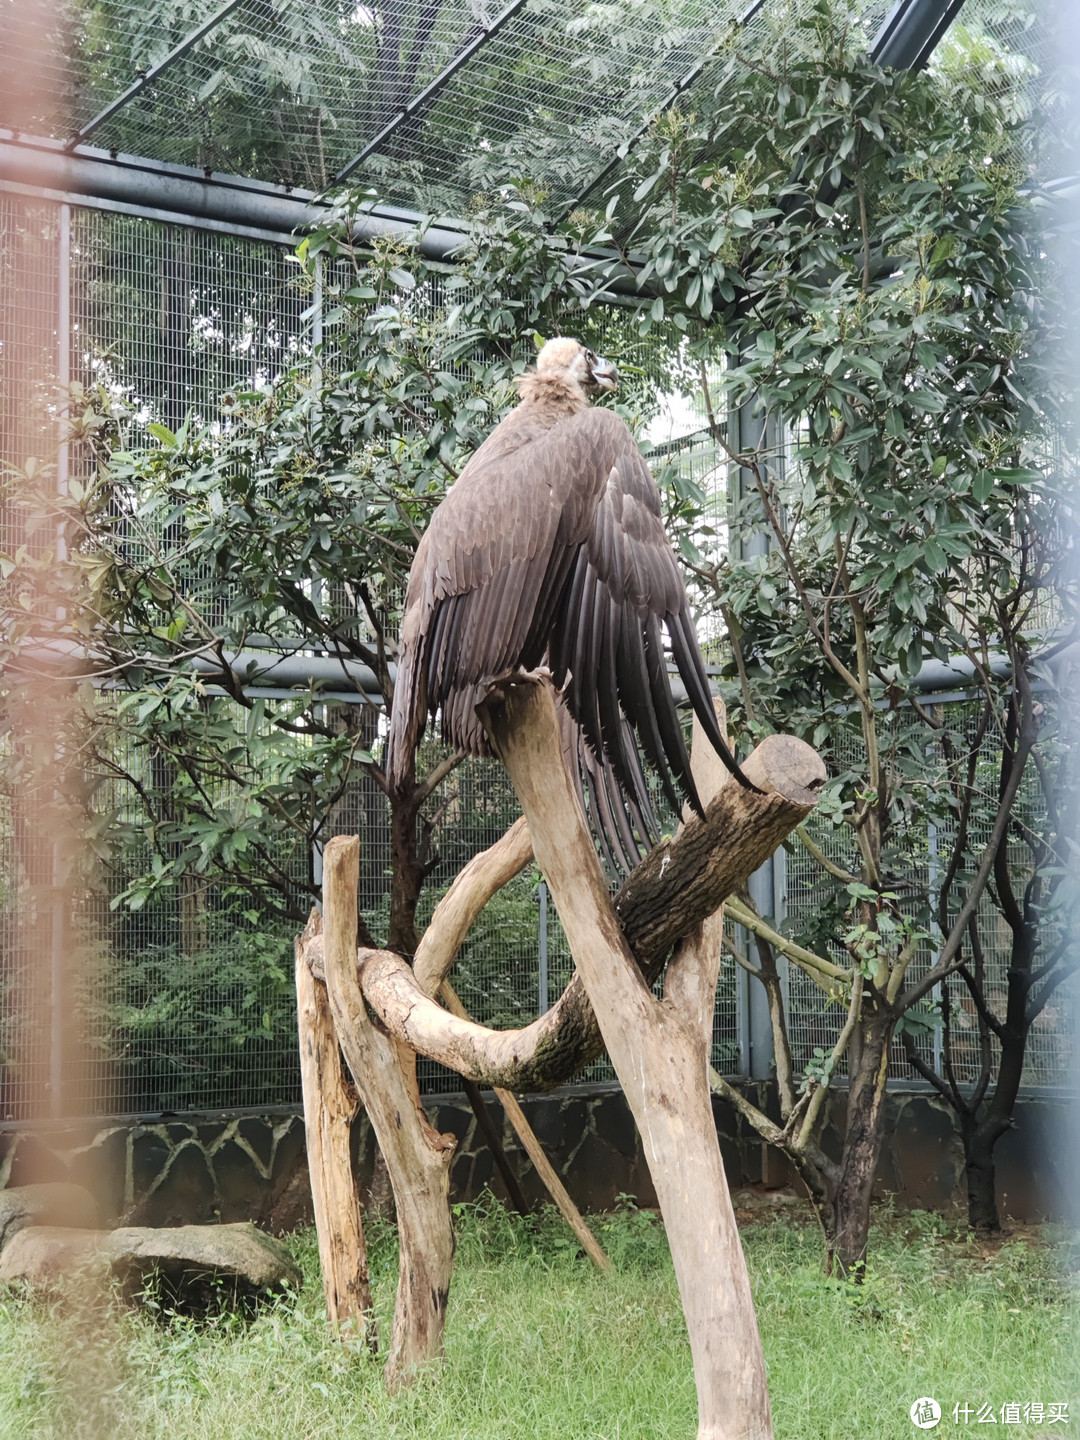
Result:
<point x="583" y="667"/>
<point x="666" y="715"/>
<point x="618" y="738"/>
<point x="564" y="634"/>
<point x="612" y="827"/>
<point x="635" y="690"/>
<point x="691" y="667"/>
<point x="622" y="806"/>
<point x="639" y="802"/>
<point x="552" y="589"/>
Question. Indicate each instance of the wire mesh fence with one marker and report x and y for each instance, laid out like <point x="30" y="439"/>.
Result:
<point x="187" y="1003"/>
<point x="429" y="101"/>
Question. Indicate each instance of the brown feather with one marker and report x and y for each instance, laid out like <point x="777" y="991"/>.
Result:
<point x="552" y="541"/>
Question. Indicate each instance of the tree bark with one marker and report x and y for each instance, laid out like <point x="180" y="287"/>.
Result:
<point x="406" y="877"/>
<point x="862" y="1149"/>
<point x="980" y="1174"/>
<point x="417" y="1156"/>
<point x="330" y="1107"/>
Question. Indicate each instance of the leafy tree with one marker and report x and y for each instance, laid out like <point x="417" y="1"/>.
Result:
<point x="288" y="523"/>
<point x="864" y="269"/>
<point x="852" y="274"/>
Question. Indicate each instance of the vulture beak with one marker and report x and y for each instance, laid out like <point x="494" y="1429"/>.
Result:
<point x="604" y="374"/>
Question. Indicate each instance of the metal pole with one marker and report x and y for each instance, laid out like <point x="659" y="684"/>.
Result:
<point x="63" y="351"/>
<point x="742" y="1010"/>
<point x="750" y="428"/>
<point x="317" y="322"/>
<point x="542" y="896"/>
<point x="58" y="926"/>
<point x="931" y="886"/>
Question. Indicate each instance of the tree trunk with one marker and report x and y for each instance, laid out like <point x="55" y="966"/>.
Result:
<point x="862" y="1149"/>
<point x="406" y="878"/>
<point x="980" y="1174"/>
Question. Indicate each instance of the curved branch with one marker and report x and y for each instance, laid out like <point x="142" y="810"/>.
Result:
<point x="473" y="887"/>
<point x="679" y="883"/>
<point x="821" y="971"/>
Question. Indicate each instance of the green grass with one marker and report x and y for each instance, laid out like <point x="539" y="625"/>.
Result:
<point x="540" y="1347"/>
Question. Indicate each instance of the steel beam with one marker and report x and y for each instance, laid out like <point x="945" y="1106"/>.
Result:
<point x="430" y="91"/>
<point x="266" y="667"/>
<point x="911" y="32"/>
<point x="149" y="76"/>
<point x="180" y="194"/>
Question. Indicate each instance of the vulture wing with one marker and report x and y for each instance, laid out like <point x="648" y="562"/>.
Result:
<point x="624" y="585"/>
<point x="552" y="541"/>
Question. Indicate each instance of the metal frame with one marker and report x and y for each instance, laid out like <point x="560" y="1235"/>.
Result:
<point x="70" y="171"/>
<point x="430" y="91"/>
<point x="911" y="32"/>
<point x="149" y="76"/>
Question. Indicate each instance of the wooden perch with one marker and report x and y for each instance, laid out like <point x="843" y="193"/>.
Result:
<point x="659" y="1048"/>
<point x="677" y="886"/>
<point x="330" y="1106"/>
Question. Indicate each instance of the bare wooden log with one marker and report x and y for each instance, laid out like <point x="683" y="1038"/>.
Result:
<point x="330" y="1107"/>
<point x="661" y="1058"/>
<point x="535" y="1151"/>
<point x="694" y="968"/>
<point x="472" y="888"/>
<point x="417" y="1156"/>
<point x="663" y="900"/>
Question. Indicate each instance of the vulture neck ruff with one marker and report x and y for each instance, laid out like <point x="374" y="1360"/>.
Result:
<point x="553" y="394"/>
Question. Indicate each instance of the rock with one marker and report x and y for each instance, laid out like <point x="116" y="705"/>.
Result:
<point x="45" y="1256"/>
<point x="54" y="1203"/>
<point x="193" y="1268"/>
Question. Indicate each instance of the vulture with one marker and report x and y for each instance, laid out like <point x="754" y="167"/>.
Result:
<point x="550" y="547"/>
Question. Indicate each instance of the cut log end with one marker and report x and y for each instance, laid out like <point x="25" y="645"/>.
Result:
<point x="785" y="766"/>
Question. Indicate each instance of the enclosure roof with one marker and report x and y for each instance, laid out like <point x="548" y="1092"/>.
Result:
<point x="427" y="101"/>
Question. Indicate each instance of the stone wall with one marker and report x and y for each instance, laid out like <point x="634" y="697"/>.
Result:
<point x="204" y="1168"/>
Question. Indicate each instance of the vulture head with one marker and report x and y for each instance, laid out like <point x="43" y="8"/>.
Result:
<point x="570" y="360"/>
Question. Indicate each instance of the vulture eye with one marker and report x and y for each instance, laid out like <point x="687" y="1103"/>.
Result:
<point x="590" y="357"/>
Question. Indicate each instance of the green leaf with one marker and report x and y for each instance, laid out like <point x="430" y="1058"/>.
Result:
<point x="1018" y="475"/>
